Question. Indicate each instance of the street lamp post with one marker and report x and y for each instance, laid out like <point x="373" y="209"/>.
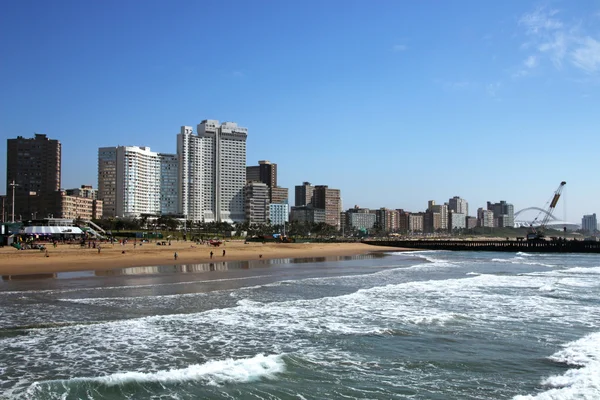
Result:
<point x="13" y="184"/>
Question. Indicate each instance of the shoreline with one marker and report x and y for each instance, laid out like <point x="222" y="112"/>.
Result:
<point x="71" y="257"/>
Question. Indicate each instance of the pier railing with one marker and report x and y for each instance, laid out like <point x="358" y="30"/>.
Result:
<point x="539" y="246"/>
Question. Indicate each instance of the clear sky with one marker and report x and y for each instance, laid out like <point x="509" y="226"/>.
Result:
<point x="393" y="102"/>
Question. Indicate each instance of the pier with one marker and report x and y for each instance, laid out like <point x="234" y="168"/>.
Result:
<point x="537" y="246"/>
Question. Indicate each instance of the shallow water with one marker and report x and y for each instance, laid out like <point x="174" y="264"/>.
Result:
<point x="424" y="325"/>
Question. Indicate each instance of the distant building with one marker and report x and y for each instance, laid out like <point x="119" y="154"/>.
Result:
<point x="388" y="219"/>
<point x="307" y="214"/>
<point x="34" y="165"/>
<point x="458" y="205"/>
<point x="256" y="195"/>
<point x="169" y="185"/>
<point x="86" y="191"/>
<point x="60" y="205"/>
<point x="456" y="221"/>
<point x="265" y="172"/>
<point x="503" y="213"/>
<point x="129" y="181"/>
<point x="303" y="194"/>
<point x="485" y="218"/>
<point x="589" y="223"/>
<point x="416" y="222"/>
<point x="403" y="220"/>
<point x="471" y="222"/>
<point x="279" y="213"/>
<point x="279" y="195"/>
<point x="360" y="218"/>
<point x="329" y="200"/>
<point x="212" y="171"/>
<point x="442" y="210"/>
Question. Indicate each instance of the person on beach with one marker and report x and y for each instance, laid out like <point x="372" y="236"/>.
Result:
<point x="223" y="253"/>
<point x="175" y="255"/>
<point x="211" y="254"/>
<point x="47" y="255"/>
<point x="98" y="249"/>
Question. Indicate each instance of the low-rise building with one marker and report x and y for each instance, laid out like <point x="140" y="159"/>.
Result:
<point x="307" y="214"/>
<point x="279" y="213"/>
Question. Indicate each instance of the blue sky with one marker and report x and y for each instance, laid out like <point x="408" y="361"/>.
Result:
<point x="395" y="103"/>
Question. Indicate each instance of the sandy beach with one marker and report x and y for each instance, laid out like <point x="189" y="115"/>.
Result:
<point x="71" y="257"/>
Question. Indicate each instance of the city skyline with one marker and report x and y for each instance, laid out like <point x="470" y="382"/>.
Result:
<point x="499" y="91"/>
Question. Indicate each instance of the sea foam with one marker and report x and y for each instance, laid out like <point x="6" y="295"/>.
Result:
<point x="582" y="382"/>
<point x="212" y="373"/>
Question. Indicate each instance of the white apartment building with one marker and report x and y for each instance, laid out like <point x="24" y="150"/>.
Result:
<point x="129" y="180"/>
<point x="279" y="213"/>
<point x="212" y="171"/>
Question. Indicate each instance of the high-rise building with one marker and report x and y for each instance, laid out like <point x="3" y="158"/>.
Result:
<point x="212" y="171"/>
<point x="257" y="202"/>
<point x="485" y="218"/>
<point x="33" y="164"/>
<point x="303" y="194"/>
<point x="388" y="219"/>
<point x="589" y="223"/>
<point x="416" y="222"/>
<point x="169" y="170"/>
<point x="442" y="210"/>
<point x="265" y="172"/>
<point x="329" y="200"/>
<point x="279" y="195"/>
<point x="458" y="205"/>
<point x="503" y="213"/>
<point x="129" y="181"/>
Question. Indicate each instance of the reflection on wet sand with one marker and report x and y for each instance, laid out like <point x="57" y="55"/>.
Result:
<point x="192" y="268"/>
<point x="28" y="277"/>
<point x="227" y="265"/>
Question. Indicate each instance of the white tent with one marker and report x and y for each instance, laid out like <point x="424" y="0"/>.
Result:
<point x="52" y="230"/>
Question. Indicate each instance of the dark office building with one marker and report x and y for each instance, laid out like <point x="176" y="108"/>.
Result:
<point x="34" y="166"/>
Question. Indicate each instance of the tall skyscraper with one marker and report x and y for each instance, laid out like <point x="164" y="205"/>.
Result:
<point x="129" y="181"/>
<point x="329" y="200"/>
<point x="303" y="194"/>
<point x="458" y="205"/>
<point x="169" y="170"/>
<point x="34" y="165"/>
<point x="212" y="171"/>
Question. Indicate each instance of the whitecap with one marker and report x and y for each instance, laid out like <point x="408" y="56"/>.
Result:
<point x="212" y="373"/>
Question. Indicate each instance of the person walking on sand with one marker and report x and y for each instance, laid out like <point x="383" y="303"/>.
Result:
<point x="175" y="255"/>
<point x="99" y="249"/>
<point x="223" y="253"/>
<point x="211" y="254"/>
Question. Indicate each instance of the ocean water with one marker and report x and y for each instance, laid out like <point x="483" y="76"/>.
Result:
<point x="423" y="325"/>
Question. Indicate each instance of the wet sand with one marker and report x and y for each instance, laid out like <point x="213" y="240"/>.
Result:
<point x="72" y="257"/>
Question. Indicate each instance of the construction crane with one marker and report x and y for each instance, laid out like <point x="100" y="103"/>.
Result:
<point x="538" y="234"/>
